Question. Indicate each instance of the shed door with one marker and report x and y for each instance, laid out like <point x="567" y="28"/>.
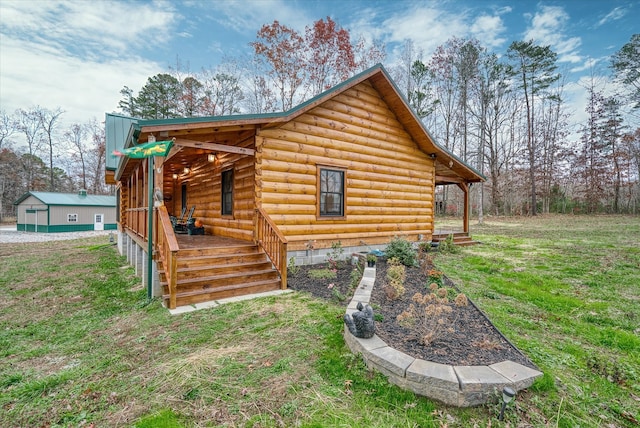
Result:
<point x="98" y="222"/>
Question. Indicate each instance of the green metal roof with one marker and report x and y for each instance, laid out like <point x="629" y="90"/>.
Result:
<point x="73" y="199"/>
<point x="116" y="131"/>
<point x="258" y="117"/>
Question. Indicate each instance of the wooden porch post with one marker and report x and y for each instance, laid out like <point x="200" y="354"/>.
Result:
<point x="465" y="221"/>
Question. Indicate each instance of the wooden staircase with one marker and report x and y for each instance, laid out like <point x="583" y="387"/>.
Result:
<point x="459" y="238"/>
<point x="206" y="274"/>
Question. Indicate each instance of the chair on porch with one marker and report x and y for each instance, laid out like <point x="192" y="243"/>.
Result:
<point x="181" y="226"/>
<point x="175" y="220"/>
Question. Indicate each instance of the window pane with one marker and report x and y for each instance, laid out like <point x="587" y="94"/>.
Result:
<point x="331" y="192"/>
<point x="227" y="192"/>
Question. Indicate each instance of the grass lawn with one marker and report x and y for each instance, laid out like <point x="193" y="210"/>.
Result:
<point x="79" y="344"/>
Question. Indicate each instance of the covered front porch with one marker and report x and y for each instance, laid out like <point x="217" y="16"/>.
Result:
<point x="209" y="175"/>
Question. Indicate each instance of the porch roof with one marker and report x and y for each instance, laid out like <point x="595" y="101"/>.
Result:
<point x="224" y="129"/>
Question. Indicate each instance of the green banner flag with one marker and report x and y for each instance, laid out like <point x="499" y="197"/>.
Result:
<point x="156" y="148"/>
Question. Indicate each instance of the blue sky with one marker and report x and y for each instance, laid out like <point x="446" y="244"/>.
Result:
<point x="77" y="55"/>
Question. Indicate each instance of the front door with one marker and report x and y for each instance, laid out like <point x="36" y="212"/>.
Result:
<point x="98" y="222"/>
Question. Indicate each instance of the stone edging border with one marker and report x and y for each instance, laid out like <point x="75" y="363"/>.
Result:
<point x="460" y="386"/>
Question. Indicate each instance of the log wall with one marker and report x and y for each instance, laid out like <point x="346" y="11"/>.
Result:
<point x="389" y="181"/>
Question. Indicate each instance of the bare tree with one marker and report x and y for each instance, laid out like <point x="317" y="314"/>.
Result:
<point x="260" y="98"/>
<point x="222" y="91"/>
<point x="95" y="158"/>
<point x="76" y="138"/>
<point x="8" y="127"/>
<point x="30" y="125"/>
<point x="49" y="123"/>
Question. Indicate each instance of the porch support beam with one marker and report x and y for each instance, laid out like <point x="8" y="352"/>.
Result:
<point x="448" y="179"/>
<point x="214" y="147"/>
<point x="174" y="151"/>
<point x="465" y="221"/>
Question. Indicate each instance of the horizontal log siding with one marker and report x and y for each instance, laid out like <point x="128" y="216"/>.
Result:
<point x="389" y="182"/>
<point x="204" y="191"/>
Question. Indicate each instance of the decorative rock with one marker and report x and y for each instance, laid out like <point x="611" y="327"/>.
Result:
<point x="520" y="376"/>
<point x="430" y="374"/>
<point x="390" y="360"/>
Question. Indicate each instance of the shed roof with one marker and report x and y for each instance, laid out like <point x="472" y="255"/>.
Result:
<point x="70" y="199"/>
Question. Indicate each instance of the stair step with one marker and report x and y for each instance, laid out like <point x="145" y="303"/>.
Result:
<point x="221" y="259"/>
<point x="216" y="281"/>
<point x="223" y="269"/>
<point x="233" y="290"/>
<point x="212" y="251"/>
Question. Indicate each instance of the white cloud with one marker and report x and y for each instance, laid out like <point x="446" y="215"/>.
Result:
<point x="429" y="26"/>
<point x="82" y="27"/>
<point x="588" y="64"/>
<point x="548" y="28"/>
<point x="614" y="15"/>
<point x="488" y="29"/>
<point x="76" y="55"/>
<point x="83" y="88"/>
<point x="246" y="19"/>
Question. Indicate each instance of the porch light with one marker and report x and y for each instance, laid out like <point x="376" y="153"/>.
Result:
<point x="507" y="396"/>
<point x="175" y="176"/>
<point x="186" y="170"/>
<point x="211" y="157"/>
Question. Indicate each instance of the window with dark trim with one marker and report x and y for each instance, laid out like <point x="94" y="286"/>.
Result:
<point x="183" y="196"/>
<point x="331" y="192"/>
<point x="227" y="192"/>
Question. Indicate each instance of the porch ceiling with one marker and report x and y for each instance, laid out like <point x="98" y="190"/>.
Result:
<point x="197" y="138"/>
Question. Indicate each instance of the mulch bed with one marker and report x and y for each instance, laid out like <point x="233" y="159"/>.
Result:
<point x="473" y="341"/>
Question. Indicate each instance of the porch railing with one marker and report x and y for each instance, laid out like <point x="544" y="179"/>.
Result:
<point x="168" y="252"/>
<point x="273" y="242"/>
<point x="137" y="219"/>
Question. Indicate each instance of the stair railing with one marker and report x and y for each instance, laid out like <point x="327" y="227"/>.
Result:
<point x="168" y="252"/>
<point x="273" y="243"/>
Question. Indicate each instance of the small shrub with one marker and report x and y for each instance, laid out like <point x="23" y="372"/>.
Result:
<point x="435" y="276"/>
<point x="355" y="276"/>
<point x="431" y="315"/>
<point x="323" y="274"/>
<point x="448" y="246"/>
<point x="337" y="295"/>
<point x="292" y="267"/>
<point x="396" y="274"/>
<point x="424" y="247"/>
<point x="461" y="300"/>
<point x="401" y="249"/>
<point x="335" y="257"/>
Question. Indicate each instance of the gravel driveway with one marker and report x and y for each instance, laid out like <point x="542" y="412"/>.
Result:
<point x="9" y="235"/>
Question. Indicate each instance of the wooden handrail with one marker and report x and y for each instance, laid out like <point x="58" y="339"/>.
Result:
<point x="137" y="219"/>
<point x="167" y="246"/>
<point x="273" y="242"/>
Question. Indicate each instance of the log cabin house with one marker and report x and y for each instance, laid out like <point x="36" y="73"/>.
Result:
<point x="353" y="164"/>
